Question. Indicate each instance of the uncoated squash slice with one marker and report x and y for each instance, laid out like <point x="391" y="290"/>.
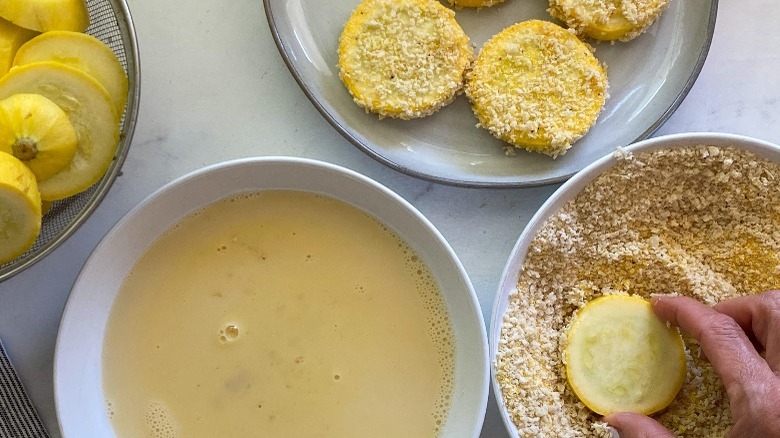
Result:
<point x="90" y="111"/>
<point x="620" y="357"/>
<point x="20" y="208"/>
<point x="11" y="38"/>
<point x="37" y="131"/>
<point x="83" y="52"/>
<point x="46" y="15"/>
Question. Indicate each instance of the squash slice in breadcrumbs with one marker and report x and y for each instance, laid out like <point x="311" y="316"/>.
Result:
<point x="403" y="58"/>
<point x="620" y="357"/>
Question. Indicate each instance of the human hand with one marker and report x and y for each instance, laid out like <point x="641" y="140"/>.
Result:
<point x="732" y="335"/>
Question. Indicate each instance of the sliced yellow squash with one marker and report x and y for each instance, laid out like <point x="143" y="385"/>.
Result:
<point x="45" y="207"/>
<point x="38" y="132"/>
<point x="620" y="357"/>
<point x="83" y="52"/>
<point x="20" y="208"/>
<point x="90" y="111"/>
<point x="46" y="15"/>
<point x="11" y="38"/>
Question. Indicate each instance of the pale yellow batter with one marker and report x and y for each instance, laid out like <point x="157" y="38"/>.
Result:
<point x="279" y="314"/>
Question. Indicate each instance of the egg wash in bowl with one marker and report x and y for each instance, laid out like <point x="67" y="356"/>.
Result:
<point x="283" y="313"/>
<point x="272" y="297"/>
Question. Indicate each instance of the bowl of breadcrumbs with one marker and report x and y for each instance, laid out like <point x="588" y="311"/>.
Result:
<point x="690" y="214"/>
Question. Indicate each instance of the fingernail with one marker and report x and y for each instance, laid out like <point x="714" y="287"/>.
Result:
<point x="613" y="432"/>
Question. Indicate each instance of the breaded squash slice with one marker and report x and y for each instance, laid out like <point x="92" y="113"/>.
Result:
<point x="608" y="20"/>
<point x="474" y="3"/>
<point x="536" y="86"/>
<point x="403" y="58"/>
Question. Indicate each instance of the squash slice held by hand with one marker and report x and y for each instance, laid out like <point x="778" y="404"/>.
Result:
<point x="620" y="357"/>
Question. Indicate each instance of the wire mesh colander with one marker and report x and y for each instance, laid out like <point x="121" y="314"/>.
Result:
<point x="111" y="23"/>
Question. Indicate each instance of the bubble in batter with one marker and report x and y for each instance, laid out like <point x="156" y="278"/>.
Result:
<point x="160" y="422"/>
<point x="229" y="334"/>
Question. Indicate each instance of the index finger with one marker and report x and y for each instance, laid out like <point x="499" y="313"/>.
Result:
<point x="723" y="341"/>
<point x="758" y="315"/>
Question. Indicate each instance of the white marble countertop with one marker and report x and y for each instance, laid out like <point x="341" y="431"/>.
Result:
<point x="214" y="87"/>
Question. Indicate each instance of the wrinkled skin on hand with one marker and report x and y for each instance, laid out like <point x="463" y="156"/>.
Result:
<point x="733" y="334"/>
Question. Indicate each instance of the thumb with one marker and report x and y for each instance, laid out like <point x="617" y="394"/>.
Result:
<point x="637" y="426"/>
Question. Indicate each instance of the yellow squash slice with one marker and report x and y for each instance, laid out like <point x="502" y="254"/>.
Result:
<point x="537" y="86"/>
<point x="608" y="19"/>
<point x="620" y="357"/>
<point x="614" y="27"/>
<point x="11" y="38"/>
<point x="83" y="52"/>
<point x="90" y="111"/>
<point x="38" y="132"/>
<point x="403" y="58"/>
<point x="46" y="15"/>
<point x="20" y="208"/>
<point x="45" y="207"/>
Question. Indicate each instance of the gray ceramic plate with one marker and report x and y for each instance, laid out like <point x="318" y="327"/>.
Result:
<point x="649" y="77"/>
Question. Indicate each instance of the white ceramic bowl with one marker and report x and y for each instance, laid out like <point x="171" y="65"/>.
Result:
<point x="569" y="191"/>
<point x="80" y="403"/>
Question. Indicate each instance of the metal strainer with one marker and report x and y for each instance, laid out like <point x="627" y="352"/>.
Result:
<point x="111" y="23"/>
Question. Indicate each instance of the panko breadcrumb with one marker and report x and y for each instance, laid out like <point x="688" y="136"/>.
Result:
<point x="403" y="58"/>
<point x="536" y="86"/>
<point x="609" y="20"/>
<point x="700" y="221"/>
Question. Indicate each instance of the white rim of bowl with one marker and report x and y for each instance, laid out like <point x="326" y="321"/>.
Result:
<point x="571" y="189"/>
<point x="305" y="162"/>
